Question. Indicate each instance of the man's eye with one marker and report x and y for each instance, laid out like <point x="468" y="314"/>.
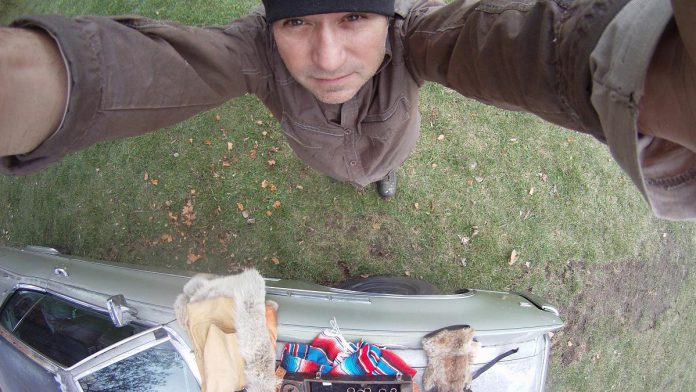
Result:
<point x="293" y="22"/>
<point x="353" y="17"/>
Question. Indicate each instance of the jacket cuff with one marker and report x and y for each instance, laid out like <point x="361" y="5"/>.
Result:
<point x="77" y="46"/>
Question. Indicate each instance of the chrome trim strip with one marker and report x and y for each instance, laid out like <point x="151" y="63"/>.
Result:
<point x="356" y="296"/>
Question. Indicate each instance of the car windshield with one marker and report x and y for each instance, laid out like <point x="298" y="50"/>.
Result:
<point x="64" y="332"/>
<point x="159" y="368"/>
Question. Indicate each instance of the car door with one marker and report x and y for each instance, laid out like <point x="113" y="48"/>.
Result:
<point x="42" y="334"/>
<point x="155" y="360"/>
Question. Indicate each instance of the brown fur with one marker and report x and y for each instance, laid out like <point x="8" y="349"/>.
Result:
<point x="450" y="356"/>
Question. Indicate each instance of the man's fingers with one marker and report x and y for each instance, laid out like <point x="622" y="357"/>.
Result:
<point x="685" y="14"/>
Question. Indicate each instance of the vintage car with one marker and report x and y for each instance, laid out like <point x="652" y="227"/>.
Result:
<point x="73" y="324"/>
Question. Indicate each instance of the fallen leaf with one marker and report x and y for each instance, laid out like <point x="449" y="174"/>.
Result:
<point x="544" y="177"/>
<point x="441" y="137"/>
<point x="192" y="258"/>
<point x="269" y="213"/>
<point x="513" y="257"/>
<point x="531" y="191"/>
<point x="416" y="205"/>
<point x="470" y="182"/>
<point x="264" y="133"/>
<point x="208" y="142"/>
<point x="478" y="179"/>
<point x="190" y="141"/>
<point x="474" y="231"/>
<point x="273" y="188"/>
<point x="226" y="162"/>
<point x="264" y="184"/>
<point x="464" y="240"/>
<point x="187" y="213"/>
<point x="432" y="205"/>
<point x="173" y="217"/>
<point x="217" y="117"/>
<point x="376" y="226"/>
<point x="271" y="162"/>
<point x="229" y="146"/>
<point x="463" y="261"/>
<point x="245" y="214"/>
<point x="259" y="122"/>
<point x="434" y="165"/>
<point x="252" y="154"/>
<point x="300" y="187"/>
<point x="154" y="181"/>
<point x="472" y="165"/>
<point x="275" y="260"/>
<point x="276" y="204"/>
<point x="364" y="276"/>
<point x="146" y="176"/>
<point x="570" y="344"/>
<point x="407" y="273"/>
<point x="240" y="206"/>
<point x="166" y="238"/>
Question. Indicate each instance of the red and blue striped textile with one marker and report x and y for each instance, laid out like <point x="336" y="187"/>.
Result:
<point x="331" y="356"/>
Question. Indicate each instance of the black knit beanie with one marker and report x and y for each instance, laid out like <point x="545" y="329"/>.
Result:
<point x="280" y="9"/>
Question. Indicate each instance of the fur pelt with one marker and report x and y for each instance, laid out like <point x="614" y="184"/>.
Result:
<point x="450" y="355"/>
<point x="248" y="291"/>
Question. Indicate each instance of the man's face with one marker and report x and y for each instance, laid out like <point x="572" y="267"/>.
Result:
<point x="332" y="55"/>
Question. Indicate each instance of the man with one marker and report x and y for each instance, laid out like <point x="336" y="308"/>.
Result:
<point x="342" y="79"/>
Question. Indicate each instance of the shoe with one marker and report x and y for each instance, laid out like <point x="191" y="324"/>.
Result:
<point x="386" y="187"/>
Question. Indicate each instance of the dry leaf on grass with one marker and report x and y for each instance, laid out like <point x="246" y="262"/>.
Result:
<point x="265" y="184"/>
<point x="192" y="258"/>
<point x="146" y="176"/>
<point x="187" y="213"/>
<point x="154" y="181"/>
<point x="275" y="260"/>
<point x="269" y="213"/>
<point x="226" y="162"/>
<point x="229" y="146"/>
<point x="208" y="142"/>
<point x="217" y="117"/>
<point x="513" y="257"/>
<point x="271" y="162"/>
<point x="240" y="206"/>
<point x="252" y="154"/>
<point x="166" y="238"/>
<point x="376" y="226"/>
<point x="441" y="137"/>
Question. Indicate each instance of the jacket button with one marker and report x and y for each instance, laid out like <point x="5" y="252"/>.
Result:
<point x="353" y="163"/>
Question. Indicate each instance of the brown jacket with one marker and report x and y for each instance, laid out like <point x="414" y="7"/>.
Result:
<point x="131" y="75"/>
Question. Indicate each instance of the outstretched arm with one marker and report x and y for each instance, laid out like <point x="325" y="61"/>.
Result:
<point x="33" y="89"/>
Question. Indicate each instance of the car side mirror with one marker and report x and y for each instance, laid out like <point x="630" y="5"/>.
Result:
<point x="121" y="314"/>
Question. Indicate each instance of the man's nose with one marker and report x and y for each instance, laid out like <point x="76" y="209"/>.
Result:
<point x="328" y="52"/>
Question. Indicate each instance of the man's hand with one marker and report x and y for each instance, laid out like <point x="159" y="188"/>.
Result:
<point x="668" y="108"/>
<point x="33" y="89"/>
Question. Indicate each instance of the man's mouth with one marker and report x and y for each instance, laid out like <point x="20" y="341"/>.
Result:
<point x="332" y="80"/>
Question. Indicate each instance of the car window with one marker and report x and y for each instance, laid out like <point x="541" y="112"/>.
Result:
<point x="62" y="331"/>
<point x="17" y="307"/>
<point x="159" y="368"/>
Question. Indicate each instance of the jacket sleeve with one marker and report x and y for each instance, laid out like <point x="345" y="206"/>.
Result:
<point x="529" y="55"/>
<point x="131" y="75"/>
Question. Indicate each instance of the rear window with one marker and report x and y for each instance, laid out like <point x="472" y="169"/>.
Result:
<point x="59" y="329"/>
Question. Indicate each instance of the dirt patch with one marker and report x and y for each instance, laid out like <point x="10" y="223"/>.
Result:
<point x="632" y="294"/>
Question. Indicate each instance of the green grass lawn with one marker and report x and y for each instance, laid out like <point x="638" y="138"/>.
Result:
<point x="506" y="181"/>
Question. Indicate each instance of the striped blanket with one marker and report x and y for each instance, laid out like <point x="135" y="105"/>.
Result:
<point x="330" y="353"/>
